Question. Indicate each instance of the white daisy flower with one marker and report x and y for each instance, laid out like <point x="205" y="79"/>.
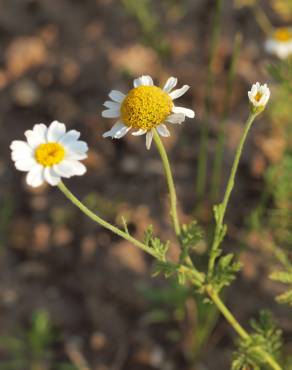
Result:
<point x="259" y="95"/>
<point x="49" y="154"/>
<point x="280" y="43"/>
<point x="145" y="108"/>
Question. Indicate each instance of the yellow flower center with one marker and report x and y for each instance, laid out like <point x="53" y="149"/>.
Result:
<point x="146" y="107"/>
<point x="49" y="154"/>
<point x="283" y="35"/>
<point x="258" y="96"/>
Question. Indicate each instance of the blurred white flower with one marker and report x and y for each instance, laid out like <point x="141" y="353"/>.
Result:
<point x="280" y="44"/>
<point x="49" y="154"/>
<point x="259" y="95"/>
<point x="145" y="108"/>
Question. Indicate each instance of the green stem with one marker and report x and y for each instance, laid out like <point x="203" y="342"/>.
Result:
<point x="203" y="151"/>
<point x="194" y="275"/>
<point x="237" y="327"/>
<point x="226" y="313"/>
<point x="104" y="223"/>
<point x="219" y="151"/>
<point x="229" y="187"/>
<point x="170" y="183"/>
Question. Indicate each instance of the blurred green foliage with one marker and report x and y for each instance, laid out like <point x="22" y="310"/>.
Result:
<point x="31" y="349"/>
<point x="274" y="212"/>
<point x="149" y="24"/>
<point x="265" y="335"/>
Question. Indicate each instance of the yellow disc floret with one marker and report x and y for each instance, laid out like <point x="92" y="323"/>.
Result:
<point x="283" y="34"/>
<point x="258" y="96"/>
<point x="49" y="154"/>
<point x="146" y="107"/>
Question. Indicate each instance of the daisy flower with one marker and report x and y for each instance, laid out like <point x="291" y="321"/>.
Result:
<point x="259" y="95"/>
<point x="145" y="108"/>
<point x="280" y="43"/>
<point x="49" y="153"/>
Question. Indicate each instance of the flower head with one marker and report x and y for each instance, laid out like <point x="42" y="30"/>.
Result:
<point x="49" y="154"/>
<point x="145" y="108"/>
<point x="280" y="43"/>
<point x="259" y="95"/>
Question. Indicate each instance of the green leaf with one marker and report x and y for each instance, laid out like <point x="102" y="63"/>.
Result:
<point x="191" y="234"/>
<point x="284" y="277"/>
<point x="285" y="298"/>
<point x="156" y="244"/>
<point x="218" y="210"/>
<point x="224" y="272"/>
<point x="165" y="268"/>
<point x="265" y="336"/>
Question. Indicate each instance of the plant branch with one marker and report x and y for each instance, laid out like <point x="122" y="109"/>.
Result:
<point x="222" y="207"/>
<point x="94" y="217"/>
<point x="193" y="274"/>
<point x="237" y="327"/>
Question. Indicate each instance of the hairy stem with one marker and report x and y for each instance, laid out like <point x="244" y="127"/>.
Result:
<point x="237" y="327"/>
<point x="219" y="222"/>
<point x="194" y="275"/>
<point x="94" y="217"/>
<point x="170" y="183"/>
<point x="203" y="150"/>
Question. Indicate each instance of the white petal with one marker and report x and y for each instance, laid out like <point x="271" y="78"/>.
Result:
<point x="77" y="150"/>
<point x="76" y="156"/>
<point x="111" y="113"/>
<point x="270" y="46"/>
<point x="25" y="164"/>
<point x="69" y="137"/>
<point x="179" y="92"/>
<point x="19" y="145"/>
<point x="139" y="132"/>
<point x="35" y="176"/>
<point x="37" y="135"/>
<point x="117" y="96"/>
<point x="187" y="112"/>
<point x="55" y="131"/>
<point x="149" y="137"/>
<point x="17" y="155"/>
<point x="111" y="104"/>
<point x="118" y="130"/>
<point x="41" y="130"/>
<point x="176" y="118"/>
<point x="143" y="81"/>
<point x="163" y="131"/>
<point x="68" y="168"/>
<point x="20" y="150"/>
<point x="77" y="146"/>
<point x="51" y="176"/>
<point x="170" y="84"/>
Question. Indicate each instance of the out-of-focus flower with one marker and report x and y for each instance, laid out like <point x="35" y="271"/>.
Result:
<point x="49" y="154"/>
<point x="259" y="96"/>
<point x="280" y="43"/>
<point x="145" y="108"/>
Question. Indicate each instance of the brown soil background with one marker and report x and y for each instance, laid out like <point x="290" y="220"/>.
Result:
<point x="58" y="60"/>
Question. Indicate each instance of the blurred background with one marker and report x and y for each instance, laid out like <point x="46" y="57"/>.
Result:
<point x="73" y="296"/>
